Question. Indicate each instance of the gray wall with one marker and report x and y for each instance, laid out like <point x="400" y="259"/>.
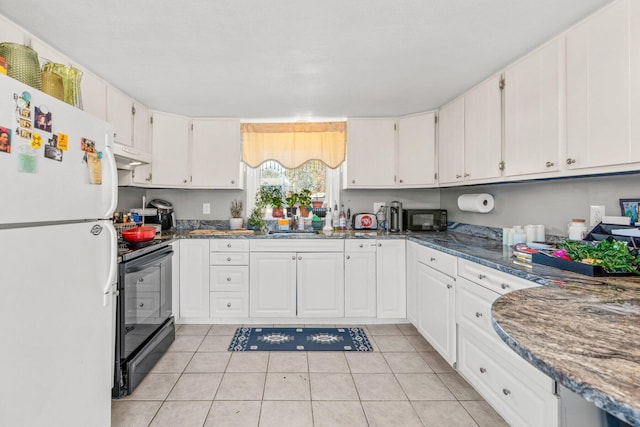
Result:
<point x="552" y="203"/>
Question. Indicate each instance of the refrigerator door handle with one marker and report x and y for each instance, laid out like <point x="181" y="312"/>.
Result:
<point x="113" y="176"/>
<point x="112" y="277"/>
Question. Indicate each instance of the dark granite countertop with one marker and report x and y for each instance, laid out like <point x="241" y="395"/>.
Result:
<point x="583" y="332"/>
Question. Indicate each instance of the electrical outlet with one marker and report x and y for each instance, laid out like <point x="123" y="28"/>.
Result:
<point x="206" y="208"/>
<point x="597" y="213"/>
<point x="376" y="206"/>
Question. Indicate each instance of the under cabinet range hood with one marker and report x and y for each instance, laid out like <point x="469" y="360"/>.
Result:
<point x="128" y="157"/>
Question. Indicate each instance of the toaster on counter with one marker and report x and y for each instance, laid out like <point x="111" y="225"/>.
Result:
<point x="364" y="221"/>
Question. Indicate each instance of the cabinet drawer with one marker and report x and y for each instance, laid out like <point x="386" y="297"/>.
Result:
<point x="492" y="279"/>
<point x="229" y="258"/>
<point x="520" y="399"/>
<point x="229" y="304"/>
<point x="437" y="260"/>
<point x="360" y="245"/>
<point x="473" y="308"/>
<point x="229" y="278"/>
<point x="147" y="280"/>
<point x="229" y="245"/>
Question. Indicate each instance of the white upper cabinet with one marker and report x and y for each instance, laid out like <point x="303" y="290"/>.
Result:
<point x="170" y="159"/>
<point x="94" y="95"/>
<point x="141" y="127"/>
<point x="120" y="115"/>
<point x="483" y="131"/>
<point x="533" y="111"/>
<point x="216" y="153"/>
<point x="451" y="142"/>
<point x="416" y="150"/>
<point x="370" y="153"/>
<point x="603" y="88"/>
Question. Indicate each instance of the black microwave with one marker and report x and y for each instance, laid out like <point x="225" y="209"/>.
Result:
<point x="424" y="219"/>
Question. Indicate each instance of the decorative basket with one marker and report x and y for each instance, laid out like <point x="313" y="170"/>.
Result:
<point x="22" y="64"/>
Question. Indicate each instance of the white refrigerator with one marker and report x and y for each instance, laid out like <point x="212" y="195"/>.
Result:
<point x="58" y="261"/>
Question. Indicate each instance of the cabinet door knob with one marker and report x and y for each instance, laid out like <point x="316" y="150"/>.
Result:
<point x="570" y="161"/>
<point x="228" y="245"/>
<point x="449" y="286"/>
<point x="401" y="181"/>
<point x="228" y="279"/>
<point x="233" y="181"/>
<point x="184" y="181"/>
<point x="504" y="286"/>
<point x="481" y="276"/>
<point x="467" y="175"/>
<point x="380" y="245"/>
<point x="458" y="176"/>
<point x="293" y="257"/>
<point x="299" y="257"/>
<point x="483" y="370"/>
<point x="432" y="259"/>
<point x="478" y="314"/>
<point x="506" y="391"/>
<point x="361" y="245"/>
<point x="353" y="181"/>
<point x="348" y="256"/>
<point x="140" y="279"/>
<point x="141" y="305"/>
<point x="228" y="258"/>
<point x="229" y="304"/>
<point x="549" y="164"/>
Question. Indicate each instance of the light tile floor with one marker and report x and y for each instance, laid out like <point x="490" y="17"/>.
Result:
<point x="404" y="382"/>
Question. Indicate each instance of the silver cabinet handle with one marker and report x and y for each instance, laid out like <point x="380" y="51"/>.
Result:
<point x="570" y="161"/>
<point x="228" y="279"/>
<point x="504" y="286"/>
<point x="483" y="370"/>
<point x="228" y="258"/>
<point x="458" y="176"/>
<point x="233" y="181"/>
<point x="228" y="304"/>
<point x="481" y="276"/>
<point x="228" y="245"/>
<point x="401" y="181"/>
<point x="432" y="259"/>
<point x="299" y="257"/>
<point x="449" y="286"/>
<point x="293" y="257"/>
<point x="549" y="164"/>
<point x="478" y="314"/>
<point x="506" y="391"/>
<point x="141" y="304"/>
<point x="184" y="181"/>
<point x="348" y="256"/>
<point x="380" y="245"/>
<point x="361" y="245"/>
<point x="140" y="279"/>
<point x="353" y="181"/>
<point x="466" y="175"/>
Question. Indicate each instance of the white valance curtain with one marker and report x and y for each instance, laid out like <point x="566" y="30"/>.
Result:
<point x="292" y="144"/>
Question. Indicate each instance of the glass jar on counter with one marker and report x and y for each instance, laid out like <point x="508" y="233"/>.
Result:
<point x="577" y="229"/>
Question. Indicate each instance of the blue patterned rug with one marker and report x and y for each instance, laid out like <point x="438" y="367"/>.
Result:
<point x="300" y="339"/>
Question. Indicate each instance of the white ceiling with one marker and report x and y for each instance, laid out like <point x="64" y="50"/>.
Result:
<point x="295" y="59"/>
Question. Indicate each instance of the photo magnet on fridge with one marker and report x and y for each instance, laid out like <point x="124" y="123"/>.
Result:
<point x="43" y="118"/>
<point x="5" y="139"/>
<point x="51" y="150"/>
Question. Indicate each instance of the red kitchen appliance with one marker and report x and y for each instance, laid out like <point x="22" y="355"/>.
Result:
<point x="364" y="221"/>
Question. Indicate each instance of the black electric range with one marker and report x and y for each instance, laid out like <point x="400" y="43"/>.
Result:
<point x="128" y="251"/>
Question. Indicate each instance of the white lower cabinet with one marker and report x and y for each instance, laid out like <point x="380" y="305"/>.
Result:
<point x="194" y="278"/>
<point x="391" y="273"/>
<point x="518" y="391"/>
<point x="360" y="278"/>
<point x="306" y="282"/>
<point x="436" y="310"/>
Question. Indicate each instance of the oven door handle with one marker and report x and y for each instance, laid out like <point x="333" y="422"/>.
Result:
<point x="150" y="260"/>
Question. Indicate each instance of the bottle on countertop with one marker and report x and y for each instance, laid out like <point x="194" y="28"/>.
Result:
<point x="336" y="217"/>
<point x="342" y="219"/>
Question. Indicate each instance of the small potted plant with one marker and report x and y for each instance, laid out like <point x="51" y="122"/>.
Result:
<point x="236" y="220"/>
<point x="255" y="220"/>
<point x="276" y="202"/>
<point x="304" y="199"/>
<point x="291" y="200"/>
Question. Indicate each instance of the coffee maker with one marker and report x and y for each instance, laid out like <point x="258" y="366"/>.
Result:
<point x="165" y="217"/>
<point x="394" y="217"/>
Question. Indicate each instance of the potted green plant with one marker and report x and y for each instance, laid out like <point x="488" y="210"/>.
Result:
<point x="255" y="220"/>
<point x="276" y="202"/>
<point x="236" y="220"/>
<point x="304" y="199"/>
<point x="291" y="200"/>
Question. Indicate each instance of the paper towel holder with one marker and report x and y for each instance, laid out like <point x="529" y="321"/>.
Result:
<point x="480" y="203"/>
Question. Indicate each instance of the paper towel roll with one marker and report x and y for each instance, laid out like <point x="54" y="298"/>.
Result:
<point x="482" y="202"/>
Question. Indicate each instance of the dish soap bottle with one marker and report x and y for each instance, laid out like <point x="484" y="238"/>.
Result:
<point x="327" y="229"/>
